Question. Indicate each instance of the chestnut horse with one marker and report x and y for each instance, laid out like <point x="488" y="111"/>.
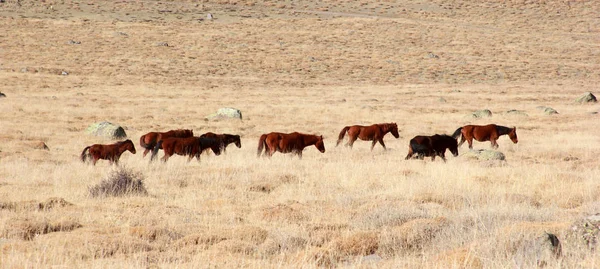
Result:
<point x="373" y="133"/>
<point x="489" y="132"/>
<point x="288" y="143"/>
<point x="107" y="152"/>
<point x="186" y="146"/>
<point x="431" y="146"/>
<point x="148" y="141"/>
<point x="225" y="139"/>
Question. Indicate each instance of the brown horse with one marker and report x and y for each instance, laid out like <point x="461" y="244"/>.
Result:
<point x="431" y="146"/>
<point x="225" y="139"/>
<point x="373" y="133"/>
<point x="489" y="132"/>
<point x="187" y="146"/>
<point x="288" y="143"/>
<point x="148" y="141"/>
<point x="107" y="152"/>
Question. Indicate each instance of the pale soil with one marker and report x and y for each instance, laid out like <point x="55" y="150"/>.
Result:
<point x="314" y="68"/>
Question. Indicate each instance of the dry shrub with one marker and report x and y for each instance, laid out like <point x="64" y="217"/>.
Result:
<point x="459" y="258"/>
<point x="373" y="215"/>
<point x="152" y="234"/>
<point x="275" y="245"/>
<point x="413" y="235"/>
<point x="322" y="233"/>
<point x="322" y="257"/>
<point x="291" y="212"/>
<point x="514" y="237"/>
<point x="450" y="201"/>
<point x="265" y="187"/>
<point x="361" y="243"/>
<point x="90" y="245"/>
<point x="120" y="182"/>
<point x="28" y="229"/>
<point x="202" y="241"/>
<point x="235" y="246"/>
<point x="50" y="203"/>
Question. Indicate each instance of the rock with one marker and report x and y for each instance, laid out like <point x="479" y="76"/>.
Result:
<point x="107" y="130"/>
<point x="64" y="73"/>
<point x="162" y="44"/>
<point x="41" y="145"/>
<point x="209" y="16"/>
<point x="484" y="155"/>
<point x="442" y="100"/>
<point x="587" y="97"/>
<point x="514" y="112"/>
<point x="550" y="111"/>
<point x="225" y="113"/>
<point x="2" y="95"/>
<point x="585" y="231"/>
<point x="484" y="113"/>
<point x="73" y="42"/>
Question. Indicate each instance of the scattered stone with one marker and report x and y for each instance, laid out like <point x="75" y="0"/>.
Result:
<point x="442" y="100"/>
<point x="586" y="231"/>
<point x="225" y="113"/>
<point x="73" y="42"/>
<point x="550" y="111"/>
<point x="209" y="16"/>
<point x="41" y="145"/>
<point x="432" y="56"/>
<point x="514" y="112"/>
<point x="2" y="95"/>
<point x="106" y="130"/>
<point x="64" y="73"/>
<point x="123" y="34"/>
<point x="484" y="155"/>
<point x="162" y="44"/>
<point x="587" y="97"/>
<point x="484" y="113"/>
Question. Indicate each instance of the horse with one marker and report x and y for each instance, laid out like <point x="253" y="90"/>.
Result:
<point x="373" y="133"/>
<point x="186" y="146"/>
<point x="225" y="139"/>
<point x="148" y="141"/>
<point x="110" y="152"/>
<point x="489" y="132"/>
<point x="288" y="143"/>
<point x="431" y="146"/>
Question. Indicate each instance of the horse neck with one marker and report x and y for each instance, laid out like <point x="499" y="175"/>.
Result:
<point x="385" y="128"/>
<point x="123" y="146"/>
<point x="310" y="139"/>
<point x="502" y="130"/>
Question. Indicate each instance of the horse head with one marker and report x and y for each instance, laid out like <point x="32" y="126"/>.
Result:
<point x="453" y="147"/>
<point x="238" y="141"/>
<point x="393" y="127"/>
<point x="320" y="144"/>
<point x="513" y="135"/>
<point x="129" y="146"/>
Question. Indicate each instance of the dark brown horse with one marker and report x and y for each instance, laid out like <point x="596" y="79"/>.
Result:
<point x="148" y="141"/>
<point x="107" y="152"/>
<point x="225" y="139"/>
<point x="431" y="146"/>
<point x="489" y="132"/>
<point x="373" y="133"/>
<point x="288" y="143"/>
<point x="187" y="146"/>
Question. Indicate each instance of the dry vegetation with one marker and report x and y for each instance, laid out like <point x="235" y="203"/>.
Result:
<point x="309" y="67"/>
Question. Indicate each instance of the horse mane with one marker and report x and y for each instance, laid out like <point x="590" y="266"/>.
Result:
<point x="502" y="130"/>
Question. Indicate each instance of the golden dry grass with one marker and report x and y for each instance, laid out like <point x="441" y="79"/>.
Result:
<point x="308" y="67"/>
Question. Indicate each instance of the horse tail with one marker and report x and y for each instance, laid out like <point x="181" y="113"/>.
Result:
<point x="261" y="144"/>
<point x="155" y="150"/>
<point x="143" y="142"/>
<point x="341" y="135"/>
<point x="83" y="154"/>
<point x="457" y="133"/>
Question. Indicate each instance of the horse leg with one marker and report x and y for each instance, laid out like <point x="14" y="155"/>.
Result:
<point x="145" y="152"/>
<point x="470" y="141"/>
<point x="462" y="140"/>
<point x="381" y="142"/>
<point x="299" y="154"/>
<point x="410" y="154"/>
<point x="443" y="156"/>
<point x="351" y="140"/>
<point x="94" y="160"/>
<point x="494" y="143"/>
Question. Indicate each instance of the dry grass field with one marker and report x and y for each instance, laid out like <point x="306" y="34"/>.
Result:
<point x="307" y="66"/>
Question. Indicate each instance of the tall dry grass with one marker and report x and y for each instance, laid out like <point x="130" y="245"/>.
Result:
<point x="346" y="207"/>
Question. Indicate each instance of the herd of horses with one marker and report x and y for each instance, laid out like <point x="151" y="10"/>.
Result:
<point x="183" y="142"/>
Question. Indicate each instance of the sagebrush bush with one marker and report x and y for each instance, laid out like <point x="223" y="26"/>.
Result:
<point x="120" y="182"/>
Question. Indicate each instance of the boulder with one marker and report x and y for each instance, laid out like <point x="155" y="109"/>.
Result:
<point x="107" y="130"/>
<point x="41" y="145"/>
<point x="587" y="97"/>
<point x="547" y="110"/>
<point x="484" y="113"/>
<point x="225" y="113"/>
<point x="484" y="155"/>
<point x="514" y="112"/>
<point x="2" y="95"/>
